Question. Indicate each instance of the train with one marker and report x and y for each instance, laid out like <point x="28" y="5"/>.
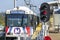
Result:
<point x="20" y="23"/>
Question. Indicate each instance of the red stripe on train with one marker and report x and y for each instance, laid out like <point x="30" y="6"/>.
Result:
<point x="28" y="30"/>
<point x="6" y="29"/>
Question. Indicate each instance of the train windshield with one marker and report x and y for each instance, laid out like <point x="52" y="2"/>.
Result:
<point x="16" y="20"/>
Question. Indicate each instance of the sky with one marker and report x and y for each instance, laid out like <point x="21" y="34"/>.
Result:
<point x="9" y="4"/>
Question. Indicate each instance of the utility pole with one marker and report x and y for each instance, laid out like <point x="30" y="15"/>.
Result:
<point x="14" y="3"/>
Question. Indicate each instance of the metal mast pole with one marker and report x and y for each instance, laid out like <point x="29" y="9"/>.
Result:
<point x="14" y="3"/>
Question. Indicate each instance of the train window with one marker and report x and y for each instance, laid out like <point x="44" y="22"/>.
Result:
<point x="17" y="20"/>
<point x="14" y="20"/>
<point x="24" y="20"/>
<point x="33" y="20"/>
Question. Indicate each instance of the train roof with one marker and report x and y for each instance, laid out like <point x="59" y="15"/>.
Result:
<point x="23" y="8"/>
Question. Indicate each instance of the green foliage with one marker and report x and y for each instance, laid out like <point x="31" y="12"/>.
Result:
<point x="2" y="20"/>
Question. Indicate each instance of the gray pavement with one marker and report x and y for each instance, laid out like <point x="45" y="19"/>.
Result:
<point x="55" y="36"/>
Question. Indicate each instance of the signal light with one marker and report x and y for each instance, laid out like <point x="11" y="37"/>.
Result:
<point x="47" y="38"/>
<point x="45" y="12"/>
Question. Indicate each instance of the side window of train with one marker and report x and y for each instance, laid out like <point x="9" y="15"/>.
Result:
<point x="35" y="20"/>
<point x="31" y="20"/>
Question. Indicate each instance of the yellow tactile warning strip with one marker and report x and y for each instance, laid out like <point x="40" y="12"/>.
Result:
<point x="38" y="29"/>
